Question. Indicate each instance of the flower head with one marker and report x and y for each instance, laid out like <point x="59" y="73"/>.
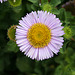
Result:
<point x="39" y="35"/>
<point x="2" y="0"/>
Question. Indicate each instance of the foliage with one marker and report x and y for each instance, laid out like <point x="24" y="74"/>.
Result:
<point x="13" y="62"/>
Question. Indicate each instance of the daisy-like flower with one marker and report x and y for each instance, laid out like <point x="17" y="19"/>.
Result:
<point x="39" y="35"/>
<point x="2" y="0"/>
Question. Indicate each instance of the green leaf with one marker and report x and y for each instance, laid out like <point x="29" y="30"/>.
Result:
<point x="44" y="1"/>
<point x="25" y="64"/>
<point x="63" y="49"/>
<point x="55" y="11"/>
<point x="60" y="58"/>
<point x="55" y="2"/>
<point x="73" y="72"/>
<point x="33" y="1"/>
<point x="32" y="7"/>
<point x="64" y="70"/>
<point x="68" y="53"/>
<point x="1" y="64"/>
<point x="28" y="6"/>
<point x="39" y="69"/>
<point x="68" y="17"/>
<point x="17" y="9"/>
<point x="61" y="14"/>
<point x="73" y="30"/>
<point x="58" y="70"/>
<point x="11" y="47"/>
<point x="72" y="21"/>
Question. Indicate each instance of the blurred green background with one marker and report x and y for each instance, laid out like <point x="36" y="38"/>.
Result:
<point x="14" y="62"/>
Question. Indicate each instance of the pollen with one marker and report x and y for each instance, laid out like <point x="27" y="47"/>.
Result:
<point x="39" y="35"/>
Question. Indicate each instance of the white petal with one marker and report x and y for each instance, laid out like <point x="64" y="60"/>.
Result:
<point x="56" y="25"/>
<point x="31" y="52"/>
<point x="23" y="25"/>
<point x="57" y="46"/>
<point x="55" y="21"/>
<point x="47" y="53"/>
<point x="60" y="33"/>
<point x="24" y="47"/>
<point x="21" y="32"/>
<point x="23" y="43"/>
<point x="35" y="54"/>
<point x="57" y="29"/>
<point x="20" y="37"/>
<point x="30" y="18"/>
<point x="44" y="53"/>
<point x="57" y="39"/>
<point x="21" y="40"/>
<point x="35" y="16"/>
<point x="20" y="27"/>
<point x="41" y="54"/>
<point x="57" y="42"/>
<point x="49" y="19"/>
<point x="50" y="51"/>
<point x="52" y="48"/>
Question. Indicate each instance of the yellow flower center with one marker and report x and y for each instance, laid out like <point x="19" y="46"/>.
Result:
<point x="39" y="35"/>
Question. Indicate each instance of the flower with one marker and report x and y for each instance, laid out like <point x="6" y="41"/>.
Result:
<point x="38" y="35"/>
<point x="2" y="0"/>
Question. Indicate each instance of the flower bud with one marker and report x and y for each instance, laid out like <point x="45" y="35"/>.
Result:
<point x="15" y="3"/>
<point x="47" y="7"/>
<point x="11" y="32"/>
<point x="68" y="32"/>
